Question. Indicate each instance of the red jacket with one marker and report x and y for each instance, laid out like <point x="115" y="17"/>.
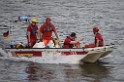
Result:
<point x="46" y="30"/>
<point x="33" y="30"/>
<point x="33" y="37"/>
<point x="67" y="43"/>
<point x="98" y="36"/>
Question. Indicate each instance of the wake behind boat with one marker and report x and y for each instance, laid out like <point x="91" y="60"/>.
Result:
<point x="58" y="55"/>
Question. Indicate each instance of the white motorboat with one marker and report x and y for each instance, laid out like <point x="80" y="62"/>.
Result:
<point x="54" y="55"/>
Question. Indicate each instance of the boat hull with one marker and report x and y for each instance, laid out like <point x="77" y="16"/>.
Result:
<point x="60" y="55"/>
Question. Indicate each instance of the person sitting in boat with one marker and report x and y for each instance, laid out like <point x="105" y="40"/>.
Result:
<point x="32" y="33"/>
<point x="98" y="39"/>
<point x="46" y="31"/>
<point x="71" y="42"/>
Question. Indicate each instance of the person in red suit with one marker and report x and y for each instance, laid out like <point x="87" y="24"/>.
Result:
<point x="46" y="31"/>
<point x="32" y="33"/>
<point x="98" y="39"/>
<point x="71" y="42"/>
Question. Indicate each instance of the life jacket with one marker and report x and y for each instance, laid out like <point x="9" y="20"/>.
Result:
<point x="101" y="40"/>
<point x="48" y="29"/>
<point x="67" y="44"/>
<point x="33" y="30"/>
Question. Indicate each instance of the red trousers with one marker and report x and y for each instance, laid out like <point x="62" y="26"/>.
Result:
<point x="90" y="46"/>
<point x="32" y="41"/>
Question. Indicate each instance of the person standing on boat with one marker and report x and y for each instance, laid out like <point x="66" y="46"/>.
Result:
<point x="32" y="33"/>
<point x="98" y="37"/>
<point x="46" y="31"/>
<point x="71" y="41"/>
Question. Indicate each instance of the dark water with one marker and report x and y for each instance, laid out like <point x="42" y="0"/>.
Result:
<point x="68" y="16"/>
<point x="31" y="72"/>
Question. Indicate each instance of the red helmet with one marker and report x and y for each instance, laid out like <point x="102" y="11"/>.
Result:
<point x="95" y="29"/>
<point x="48" y="19"/>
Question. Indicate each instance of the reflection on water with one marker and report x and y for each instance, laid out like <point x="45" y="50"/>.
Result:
<point x="31" y="70"/>
<point x="86" y="72"/>
<point x="37" y="72"/>
<point x="95" y="70"/>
